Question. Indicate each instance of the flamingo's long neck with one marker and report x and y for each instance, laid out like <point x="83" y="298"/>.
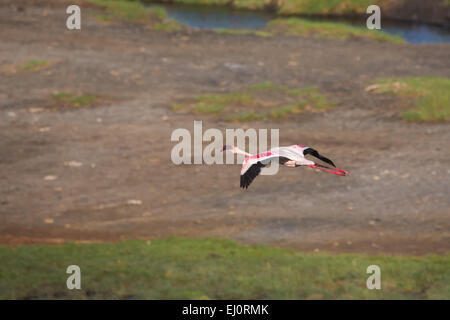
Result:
<point x="239" y="151"/>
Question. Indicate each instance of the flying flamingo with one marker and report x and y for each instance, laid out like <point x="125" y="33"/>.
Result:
<point x="291" y="156"/>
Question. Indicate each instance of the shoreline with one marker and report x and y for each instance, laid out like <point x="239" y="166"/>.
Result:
<point x="423" y="13"/>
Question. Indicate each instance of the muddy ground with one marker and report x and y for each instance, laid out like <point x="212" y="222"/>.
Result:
<point x="395" y="200"/>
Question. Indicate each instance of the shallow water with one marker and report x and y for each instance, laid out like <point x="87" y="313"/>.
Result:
<point x="210" y="17"/>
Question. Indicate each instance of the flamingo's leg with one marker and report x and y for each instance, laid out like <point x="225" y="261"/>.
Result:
<point x="335" y="171"/>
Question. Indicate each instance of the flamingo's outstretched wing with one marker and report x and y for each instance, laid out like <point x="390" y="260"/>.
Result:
<point x="252" y="165"/>
<point x="250" y="174"/>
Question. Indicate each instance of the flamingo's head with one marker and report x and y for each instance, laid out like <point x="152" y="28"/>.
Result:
<point x="226" y="147"/>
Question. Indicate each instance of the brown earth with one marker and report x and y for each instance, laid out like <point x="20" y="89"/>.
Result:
<point x="395" y="200"/>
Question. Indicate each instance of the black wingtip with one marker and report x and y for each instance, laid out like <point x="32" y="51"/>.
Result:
<point x="251" y="174"/>
<point x="243" y="185"/>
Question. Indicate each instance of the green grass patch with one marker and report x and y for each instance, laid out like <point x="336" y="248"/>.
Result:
<point x="225" y="98"/>
<point x="316" y="7"/>
<point x="281" y="112"/>
<point x="32" y="65"/>
<point x="167" y="26"/>
<point x="68" y="99"/>
<point x="328" y="7"/>
<point x="123" y="9"/>
<point x="258" y="33"/>
<point x="266" y="85"/>
<point x="104" y="18"/>
<point x="260" y="101"/>
<point x="317" y="100"/>
<point x="304" y="27"/>
<point x="297" y="26"/>
<point x="215" y="103"/>
<point x="211" y="108"/>
<point x="176" y="268"/>
<point x="158" y="11"/>
<point x="246" y="117"/>
<point x="199" y="2"/>
<point x="251" y="4"/>
<point x="314" y="99"/>
<point x="432" y="96"/>
<point x="136" y="11"/>
<point x="275" y="113"/>
<point x="177" y="107"/>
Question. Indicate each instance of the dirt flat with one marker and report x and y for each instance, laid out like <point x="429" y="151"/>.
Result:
<point x="104" y="173"/>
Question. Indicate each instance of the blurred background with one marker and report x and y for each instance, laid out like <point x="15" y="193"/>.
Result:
<point x="86" y="176"/>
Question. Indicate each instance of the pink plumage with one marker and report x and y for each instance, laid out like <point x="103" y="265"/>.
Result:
<point x="291" y="156"/>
